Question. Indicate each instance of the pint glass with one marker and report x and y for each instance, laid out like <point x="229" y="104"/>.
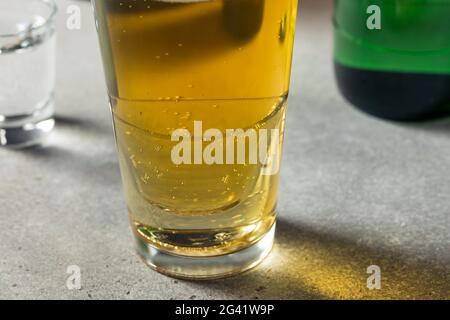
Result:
<point x="198" y="92"/>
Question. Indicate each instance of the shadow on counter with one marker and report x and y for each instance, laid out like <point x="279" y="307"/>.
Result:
<point x="307" y="264"/>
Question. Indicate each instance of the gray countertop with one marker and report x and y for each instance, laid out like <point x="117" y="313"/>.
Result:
<point x="355" y="191"/>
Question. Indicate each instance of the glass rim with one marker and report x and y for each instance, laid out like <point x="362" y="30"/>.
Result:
<point x="51" y="4"/>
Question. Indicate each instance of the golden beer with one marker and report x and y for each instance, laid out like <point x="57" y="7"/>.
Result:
<point x="198" y="66"/>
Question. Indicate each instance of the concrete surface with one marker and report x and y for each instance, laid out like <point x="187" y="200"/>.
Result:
<point x="355" y="191"/>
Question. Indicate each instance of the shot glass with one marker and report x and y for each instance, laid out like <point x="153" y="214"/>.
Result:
<point x="27" y="45"/>
<point x="198" y="93"/>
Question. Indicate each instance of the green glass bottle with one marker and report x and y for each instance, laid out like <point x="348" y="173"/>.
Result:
<point x="392" y="57"/>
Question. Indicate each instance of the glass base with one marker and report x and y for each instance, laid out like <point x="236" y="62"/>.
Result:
<point x="206" y="268"/>
<point x="25" y="130"/>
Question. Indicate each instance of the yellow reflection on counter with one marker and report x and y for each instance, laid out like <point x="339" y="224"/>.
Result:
<point x="331" y="267"/>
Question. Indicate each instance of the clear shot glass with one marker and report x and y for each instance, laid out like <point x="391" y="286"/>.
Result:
<point x="27" y="57"/>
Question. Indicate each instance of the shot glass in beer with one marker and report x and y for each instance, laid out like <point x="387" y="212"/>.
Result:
<point x="198" y="93"/>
